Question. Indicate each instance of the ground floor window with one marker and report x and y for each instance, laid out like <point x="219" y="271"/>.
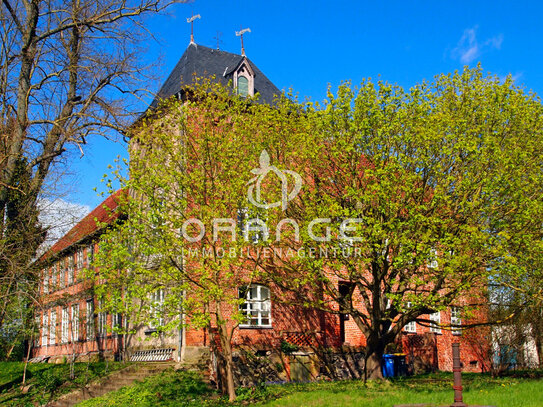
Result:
<point x="257" y="305"/>
<point x="411" y="326"/>
<point x="44" y="328"/>
<point x="53" y="328"/>
<point x="90" y="318"/>
<point x="75" y="322"/>
<point x="64" y="325"/>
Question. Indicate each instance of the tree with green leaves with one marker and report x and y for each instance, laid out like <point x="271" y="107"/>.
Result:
<point x="432" y="189"/>
<point x="189" y="167"/>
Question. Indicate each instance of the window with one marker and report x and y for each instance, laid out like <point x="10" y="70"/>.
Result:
<point x="62" y="273"/>
<point x="90" y="251"/>
<point x="102" y="320"/>
<point x="243" y="86"/>
<point x="79" y="258"/>
<point x="257" y="305"/>
<point x="53" y="328"/>
<point x="90" y="318"/>
<point x="432" y="261"/>
<point x="70" y="270"/>
<point x="75" y="322"/>
<point x="64" y="325"/>
<point x="456" y="321"/>
<point x="46" y="281"/>
<point x="54" y="275"/>
<point x="157" y="309"/>
<point x="44" y="328"/>
<point x="436" y="320"/>
<point x="410" y="327"/>
<point x="117" y="322"/>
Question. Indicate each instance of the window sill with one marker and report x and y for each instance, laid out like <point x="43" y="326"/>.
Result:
<point x="255" y="327"/>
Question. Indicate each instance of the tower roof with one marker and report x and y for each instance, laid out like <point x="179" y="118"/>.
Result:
<point x="203" y="62"/>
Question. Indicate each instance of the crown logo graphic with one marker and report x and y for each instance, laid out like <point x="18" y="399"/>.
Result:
<point x="253" y="193"/>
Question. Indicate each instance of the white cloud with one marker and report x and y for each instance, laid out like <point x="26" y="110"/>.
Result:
<point x="60" y="216"/>
<point x="470" y="48"/>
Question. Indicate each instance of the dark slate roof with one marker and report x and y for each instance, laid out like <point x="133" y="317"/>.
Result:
<point x="202" y="62"/>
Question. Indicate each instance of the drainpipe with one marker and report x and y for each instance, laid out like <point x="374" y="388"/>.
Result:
<point x="182" y="342"/>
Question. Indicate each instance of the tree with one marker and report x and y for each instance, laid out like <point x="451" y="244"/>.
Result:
<point x="190" y="163"/>
<point x="68" y="69"/>
<point x="430" y="190"/>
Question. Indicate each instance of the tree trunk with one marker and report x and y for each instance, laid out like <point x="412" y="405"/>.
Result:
<point x="375" y="349"/>
<point x="228" y="362"/>
<point x="373" y="368"/>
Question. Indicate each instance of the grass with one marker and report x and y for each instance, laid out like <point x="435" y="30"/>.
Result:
<point x="172" y="388"/>
<point x="186" y="389"/>
<point x="46" y="381"/>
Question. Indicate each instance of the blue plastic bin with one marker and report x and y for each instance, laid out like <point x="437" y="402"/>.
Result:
<point x="388" y="365"/>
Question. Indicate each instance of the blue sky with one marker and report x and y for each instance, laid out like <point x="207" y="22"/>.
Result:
<point x="306" y="45"/>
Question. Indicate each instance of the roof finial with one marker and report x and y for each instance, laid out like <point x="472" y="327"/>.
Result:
<point x="218" y="39"/>
<point x="240" y="34"/>
<point x="191" y="21"/>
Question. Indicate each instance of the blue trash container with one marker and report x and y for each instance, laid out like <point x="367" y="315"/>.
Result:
<point x="388" y="365"/>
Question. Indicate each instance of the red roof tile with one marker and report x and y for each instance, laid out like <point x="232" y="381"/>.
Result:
<point x="104" y="213"/>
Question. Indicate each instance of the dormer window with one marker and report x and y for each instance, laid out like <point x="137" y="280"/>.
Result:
<point x="244" y="82"/>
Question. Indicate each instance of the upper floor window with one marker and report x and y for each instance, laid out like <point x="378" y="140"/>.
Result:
<point x="257" y="305"/>
<point x="46" y="281"/>
<point x="436" y="321"/>
<point x="79" y="259"/>
<point x="456" y="321"/>
<point x="70" y="270"/>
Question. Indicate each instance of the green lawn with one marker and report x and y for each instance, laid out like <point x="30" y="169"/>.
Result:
<point x="46" y="381"/>
<point x="185" y="389"/>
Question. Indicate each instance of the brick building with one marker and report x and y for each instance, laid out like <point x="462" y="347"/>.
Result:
<point x="71" y="326"/>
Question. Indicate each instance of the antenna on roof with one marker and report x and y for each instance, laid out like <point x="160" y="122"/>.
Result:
<point x="240" y="34"/>
<point x="191" y="21"/>
<point x="218" y="38"/>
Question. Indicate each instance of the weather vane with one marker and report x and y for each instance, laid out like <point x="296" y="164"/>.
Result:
<point x="240" y="34"/>
<point x="191" y="21"/>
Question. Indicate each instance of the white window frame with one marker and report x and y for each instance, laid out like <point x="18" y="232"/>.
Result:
<point x="79" y="259"/>
<point x="157" y="308"/>
<point x="45" y="329"/>
<point x="256" y="307"/>
<point x="456" y="320"/>
<point x="46" y="281"/>
<point x="102" y="320"/>
<point x="64" y="325"/>
<point x="53" y="327"/>
<point x="90" y="318"/>
<point x="433" y="263"/>
<point x="410" y="327"/>
<point x="435" y="327"/>
<point x="54" y="277"/>
<point x="71" y="275"/>
<point x="75" y="322"/>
